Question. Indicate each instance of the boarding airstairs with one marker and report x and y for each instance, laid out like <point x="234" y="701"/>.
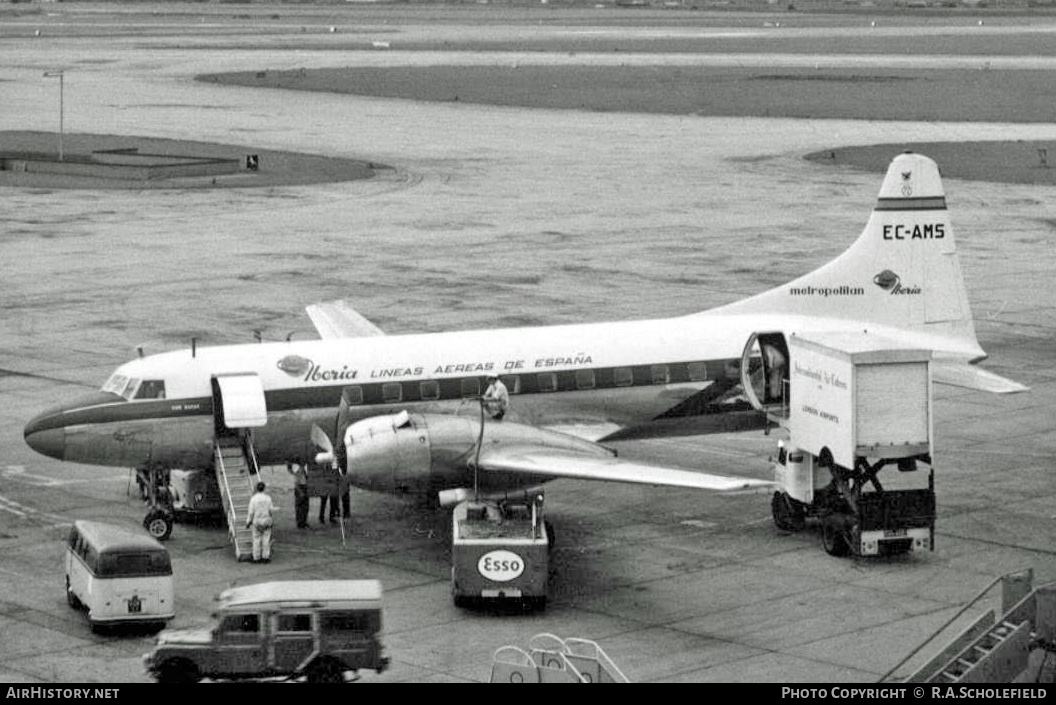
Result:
<point x="236" y="474"/>
<point x="550" y="659"/>
<point x="1017" y="647"/>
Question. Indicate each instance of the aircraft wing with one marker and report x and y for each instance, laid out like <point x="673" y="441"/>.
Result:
<point x="336" y="319"/>
<point x="552" y="463"/>
<point x="963" y="374"/>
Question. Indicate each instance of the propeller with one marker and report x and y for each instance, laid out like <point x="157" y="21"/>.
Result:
<point x="321" y="440"/>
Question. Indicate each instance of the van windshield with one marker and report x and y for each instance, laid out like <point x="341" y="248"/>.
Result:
<point x="134" y="564"/>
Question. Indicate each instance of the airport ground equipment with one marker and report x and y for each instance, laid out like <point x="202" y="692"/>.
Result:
<point x="550" y="659"/>
<point x="1018" y="646"/>
<point x="316" y="629"/>
<point x="500" y="552"/>
<point x="237" y="475"/>
<point x="852" y="404"/>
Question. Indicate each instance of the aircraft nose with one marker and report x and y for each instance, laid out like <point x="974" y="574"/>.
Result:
<point x="50" y="442"/>
<point x="46" y="435"/>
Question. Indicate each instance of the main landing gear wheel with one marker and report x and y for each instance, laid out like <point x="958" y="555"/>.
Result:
<point x="833" y="539"/>
<point x="788" y="515"/>
<point x="158" y="524"/>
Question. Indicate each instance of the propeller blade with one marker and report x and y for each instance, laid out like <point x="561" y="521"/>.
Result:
<point x="320" y="439"/>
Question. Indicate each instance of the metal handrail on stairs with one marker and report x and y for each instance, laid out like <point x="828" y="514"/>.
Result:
<point x="231" y="518"/>
<point x="971" y="603"/>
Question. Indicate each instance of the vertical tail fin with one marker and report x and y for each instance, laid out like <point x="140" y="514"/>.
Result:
<point x="901" y="275"/>
<point x="902" y="271"/>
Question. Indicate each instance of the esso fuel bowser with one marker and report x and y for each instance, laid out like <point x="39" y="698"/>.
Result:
<point x="500" y="553"/>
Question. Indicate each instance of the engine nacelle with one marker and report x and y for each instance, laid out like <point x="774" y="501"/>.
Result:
<point x="427" y="453"/>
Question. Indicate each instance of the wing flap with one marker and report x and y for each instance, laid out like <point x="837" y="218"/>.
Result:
<point x="553" y="463"/>
<point x="963" y="374"/>
<point x="336" y="319"/>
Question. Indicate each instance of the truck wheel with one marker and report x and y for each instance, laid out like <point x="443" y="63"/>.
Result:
<point x="177" y="670"/>
<point x="325" y="671"/>
<point x="832" y="538"/>
<point x="788" y="515"/>
<point x="550" y="536"/>
<point x="158" y="524"/>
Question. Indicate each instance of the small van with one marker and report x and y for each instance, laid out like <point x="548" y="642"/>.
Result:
<point x="319" y="629"/>
<point x="118" y="576"/>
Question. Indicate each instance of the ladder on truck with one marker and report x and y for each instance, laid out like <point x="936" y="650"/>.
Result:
<point x="1018" y="647"/>
<point x="236" y="474"/>
<point x="550" y="659"/>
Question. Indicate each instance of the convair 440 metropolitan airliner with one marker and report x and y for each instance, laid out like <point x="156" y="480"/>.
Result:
<point x="398" y="404"/>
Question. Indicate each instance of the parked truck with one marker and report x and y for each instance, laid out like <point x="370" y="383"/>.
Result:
<point x="500" y="553"/>
<point x="852" y="404"/>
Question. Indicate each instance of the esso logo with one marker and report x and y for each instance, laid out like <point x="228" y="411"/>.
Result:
<point x="500" y="566"/>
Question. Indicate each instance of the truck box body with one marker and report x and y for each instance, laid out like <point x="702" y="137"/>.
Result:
<point x="859" y="395"/>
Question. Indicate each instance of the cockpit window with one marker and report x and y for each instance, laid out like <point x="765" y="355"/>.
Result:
<point x="126" y="386"/>
<point x="151" y="389"/>
<point x="116" y="384"/>
<point x="130" y="389"/>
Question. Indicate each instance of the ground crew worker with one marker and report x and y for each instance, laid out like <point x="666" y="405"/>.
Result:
<point x="300" y="492"/>
<point x="258" y="517"/>
<point x="496" y="397"/>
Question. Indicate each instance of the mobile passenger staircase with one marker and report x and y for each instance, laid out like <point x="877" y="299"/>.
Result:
<point x="236" y="474"/>
<point x="553" y="660"/>
<point x="1017" y="647"/>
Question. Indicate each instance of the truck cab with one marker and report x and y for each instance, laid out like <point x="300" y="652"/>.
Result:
<point x="318" y="629"/>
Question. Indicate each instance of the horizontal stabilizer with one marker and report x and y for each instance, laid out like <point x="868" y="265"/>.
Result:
<point x="553" y="463"/>
<point x="963" y="374"/>
<point x="336" y="319"/>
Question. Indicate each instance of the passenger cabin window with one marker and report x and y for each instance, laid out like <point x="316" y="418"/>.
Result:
<point x="660" y="374"/>
<point x="547" y="381"/>
<point x="429" y="390"/>
<point x="698" y="371"/>
<point x="241" y="624"/>
<point x="366" y="621"/>
<point x="295" y="622"/>
<point x="471" y="387"/>
<point x="353" y="396"/>
<point x="584" y="379"/>
<point x="513" y="383"/>
<point x="623" y="377"/>
<point x="391" y="392"/>
<point x="151" y="389"/>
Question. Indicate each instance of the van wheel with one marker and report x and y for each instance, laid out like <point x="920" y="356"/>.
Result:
<point x="832" y="538"/>
<point x="71" y="599"/>
<point x="325" y="671"/>
<point x="177" y="670"/>
<point x="158" y="524"/>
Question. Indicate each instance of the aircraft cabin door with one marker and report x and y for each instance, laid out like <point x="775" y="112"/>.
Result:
<point x="238" y="403"/>
<point x="766" y="384"/>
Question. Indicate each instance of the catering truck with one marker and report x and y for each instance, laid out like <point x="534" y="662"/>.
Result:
<point x="853" y="404"/>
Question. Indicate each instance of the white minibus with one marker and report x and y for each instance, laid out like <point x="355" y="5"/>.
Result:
<point x="118" y="575"/>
